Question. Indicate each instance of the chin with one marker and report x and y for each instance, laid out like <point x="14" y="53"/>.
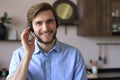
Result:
<point x="47" y="41"/>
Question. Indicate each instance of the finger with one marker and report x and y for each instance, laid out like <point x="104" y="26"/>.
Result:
<point x="25" y="36"/>
<point x="32" y="40"/>
<point x="25" y="33"/>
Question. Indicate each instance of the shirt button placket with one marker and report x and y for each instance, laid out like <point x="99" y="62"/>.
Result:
<point x="48" y="69"/>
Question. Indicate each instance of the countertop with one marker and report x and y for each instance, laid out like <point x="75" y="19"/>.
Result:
<point x="105" y="74"/>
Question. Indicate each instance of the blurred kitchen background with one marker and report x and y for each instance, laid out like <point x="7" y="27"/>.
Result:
<point x="104" y="49"/>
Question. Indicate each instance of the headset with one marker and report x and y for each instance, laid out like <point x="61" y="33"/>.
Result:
<point x="32" y="33"/>
<point x="31" y="27"/>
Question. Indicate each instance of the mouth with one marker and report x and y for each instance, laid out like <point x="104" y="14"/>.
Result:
<point x="48" y="33"/>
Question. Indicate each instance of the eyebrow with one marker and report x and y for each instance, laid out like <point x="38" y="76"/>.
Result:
<point x="45" y="20"/>
<point x="50" y="20"/>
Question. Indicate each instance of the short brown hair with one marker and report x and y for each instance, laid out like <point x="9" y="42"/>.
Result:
<point x="35" y="9"/>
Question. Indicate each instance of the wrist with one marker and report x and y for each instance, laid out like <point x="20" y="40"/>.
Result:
<point x="27" y="55"/>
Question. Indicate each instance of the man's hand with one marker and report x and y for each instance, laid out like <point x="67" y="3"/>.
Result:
<point x="28" y="45"/>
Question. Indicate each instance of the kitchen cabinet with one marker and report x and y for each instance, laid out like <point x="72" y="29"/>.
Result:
<point x="98" y="17"/>
<point x="115" y="16"/>
<point x="107" y="74"/>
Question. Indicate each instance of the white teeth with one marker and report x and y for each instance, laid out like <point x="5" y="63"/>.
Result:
<point x="46" y="34"/>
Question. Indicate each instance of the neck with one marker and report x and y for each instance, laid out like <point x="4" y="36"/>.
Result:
<point x="47" y="47"/>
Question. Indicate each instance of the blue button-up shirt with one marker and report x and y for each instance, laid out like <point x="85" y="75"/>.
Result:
<point x="63" y="62"/>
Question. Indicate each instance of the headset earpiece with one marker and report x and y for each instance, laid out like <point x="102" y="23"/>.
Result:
<point x="31" y="28"/>
<point x="57" y="24"/>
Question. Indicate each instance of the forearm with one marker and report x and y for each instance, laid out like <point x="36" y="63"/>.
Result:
<point x="21" y="71"/>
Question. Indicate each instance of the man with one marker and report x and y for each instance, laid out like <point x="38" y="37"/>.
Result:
<point x="44" y="57"/>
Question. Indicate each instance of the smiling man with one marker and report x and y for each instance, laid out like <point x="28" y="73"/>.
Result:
<point x="44" y="57"/>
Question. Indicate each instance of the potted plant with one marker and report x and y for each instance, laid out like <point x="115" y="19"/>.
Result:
<point x="4" y="20"/>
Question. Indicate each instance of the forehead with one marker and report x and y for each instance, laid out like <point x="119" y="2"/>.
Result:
<point x="44" y="15"/>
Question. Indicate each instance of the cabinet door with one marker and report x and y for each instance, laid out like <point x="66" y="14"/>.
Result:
<point x="115" y="16"/>
<point x="93" y="18"/>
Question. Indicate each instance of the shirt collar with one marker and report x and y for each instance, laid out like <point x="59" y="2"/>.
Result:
<point x="56" y="47"/>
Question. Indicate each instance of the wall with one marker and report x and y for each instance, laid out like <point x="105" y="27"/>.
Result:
<point x="17" y="9"/>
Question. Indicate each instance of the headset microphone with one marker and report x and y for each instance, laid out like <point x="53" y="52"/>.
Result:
<point x="32" y="34"/>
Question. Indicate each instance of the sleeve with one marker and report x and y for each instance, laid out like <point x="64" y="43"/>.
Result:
<point x="15" y="60"/>
<point x="80" y="70"/>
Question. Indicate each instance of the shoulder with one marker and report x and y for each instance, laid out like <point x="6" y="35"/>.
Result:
<point x="68" y="47"/>
<point x="18" y="52"/>
<point x="72" y="52"/>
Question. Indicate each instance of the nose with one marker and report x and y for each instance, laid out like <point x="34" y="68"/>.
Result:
<point x="44" y="27"/>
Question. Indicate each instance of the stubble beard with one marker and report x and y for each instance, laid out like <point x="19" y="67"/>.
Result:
<point x="43" y="42"/>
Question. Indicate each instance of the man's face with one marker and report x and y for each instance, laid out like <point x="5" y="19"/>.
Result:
<point x="44" y="26"/>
